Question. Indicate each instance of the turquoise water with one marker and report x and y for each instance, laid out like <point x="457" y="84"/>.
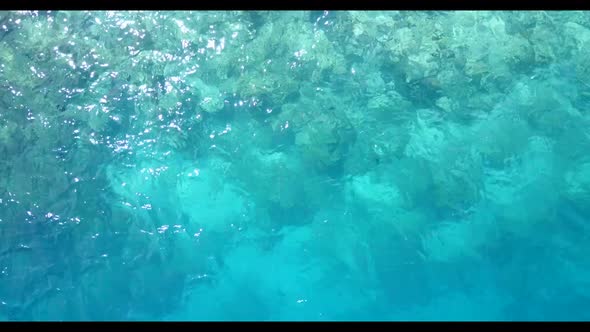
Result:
<point x="294" y="165"/>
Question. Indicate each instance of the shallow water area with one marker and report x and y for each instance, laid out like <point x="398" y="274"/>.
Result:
<point x="294" y="165"/>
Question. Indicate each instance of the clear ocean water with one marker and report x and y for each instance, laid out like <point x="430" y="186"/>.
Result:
<point x="294" y="165"/>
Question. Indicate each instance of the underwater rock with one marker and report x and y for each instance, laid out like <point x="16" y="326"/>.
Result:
<point x="323" y="134"/>
<point x="210" y="98"/>
<point x="577" y="186"/>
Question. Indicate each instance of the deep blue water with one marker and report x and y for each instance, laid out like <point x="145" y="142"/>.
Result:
<point x="294" y="165"/>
